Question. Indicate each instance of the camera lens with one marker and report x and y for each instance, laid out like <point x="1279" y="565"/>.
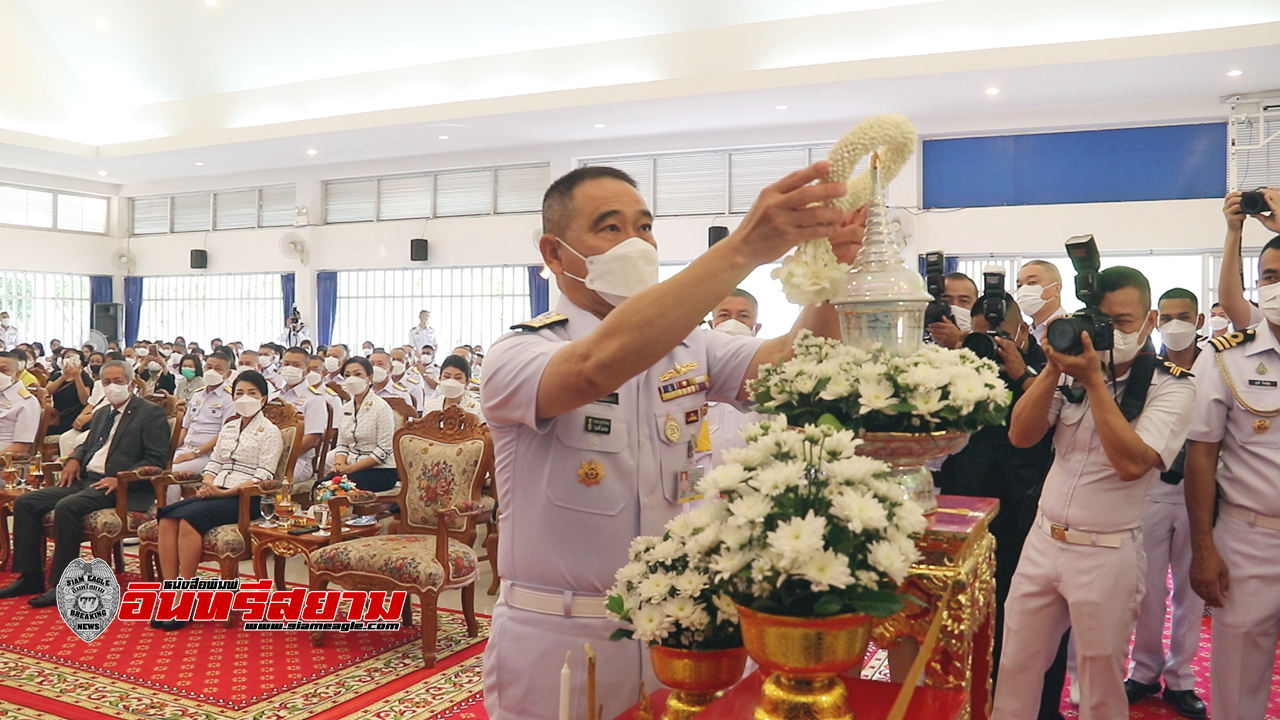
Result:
<point x="982" y="345"/>
<point x="936" y="312"/>
<point x="1253" y="203"/>
<point x="1064" y="334"/>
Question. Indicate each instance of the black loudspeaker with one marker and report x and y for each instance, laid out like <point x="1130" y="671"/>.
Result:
<point x="106" y="320"/>
<point x="199" y="259"/>
<point x="716" y="233"/>
<point x="418" y="249"/>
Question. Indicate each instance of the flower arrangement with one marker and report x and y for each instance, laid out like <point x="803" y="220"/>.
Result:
<point x="846" y="387"/>
<point x="799" y="525"/>
<point x="337" y="486"/>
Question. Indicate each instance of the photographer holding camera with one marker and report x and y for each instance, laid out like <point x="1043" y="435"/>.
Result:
<point x="1262" y="205"/>
<point x="1120" y="421"/>
<point x="949" y="318"/>
<point x="989" y="466"/>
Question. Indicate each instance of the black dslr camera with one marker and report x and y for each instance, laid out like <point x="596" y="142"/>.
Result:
<point x="994" y="308"/>
<point x="935" y="264"/>
<point x="1253" y="203"/>
<point x="1064" y="333"/>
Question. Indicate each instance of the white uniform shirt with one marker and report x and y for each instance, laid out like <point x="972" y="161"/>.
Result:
<point x="248" y="455"/>
<point x="1082" y="490"/>
<point x="315" y="412"/>
<point x="293" y="338"/>
<point x="368" y="433"/>
<point x="420" y="336"/>
<point x="469" y="401"/>
<point x="414" y="385"/>
<point x="10" y="337"/>
<point x="19" y="416"/>
<point x="1249" y="461"/>
<point x="552" y="507"/>
<point x="98" y="463"/>
<point x="205" y="414"/>
<point x="395" y="390"/>
<point x="725" y="423"/>
<point x="1039" y="330"/>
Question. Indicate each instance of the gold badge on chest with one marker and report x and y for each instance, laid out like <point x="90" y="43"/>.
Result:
<point x="677" y="371"/>
<point x="1261" y="425"/>
<point x="591" y="473"/>
<point x="1261" y="369"/>
<point x="671" y="429"/>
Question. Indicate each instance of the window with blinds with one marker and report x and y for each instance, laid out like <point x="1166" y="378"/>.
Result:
<point x="244" y="307"/>
<point x="691" y="184"/>
<point x="150" y="215"/>
<point x="350" y="201"/>
<point x="640" y="170"/>
<point x="235" y="210"/>
<point x="26" y="206"/>
<point x="403" y="198"/>
<point x="1257" y="167"/>
<point x="276" y="204"/>
<point x="44" y="306"/>
<point x="520" y="189"/>
<point x="751" y="172"/>
<point x="191" y="213"/>
<point x="464" y="193"/>
<point x="469" y="305"/>
<point x="82" y="213"/>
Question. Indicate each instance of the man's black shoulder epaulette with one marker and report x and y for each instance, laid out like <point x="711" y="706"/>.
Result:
<point x="542" y="322"/>
<point x="1230" y="340"/>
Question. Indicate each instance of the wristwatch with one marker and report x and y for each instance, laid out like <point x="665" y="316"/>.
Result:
<point x="1030" y="373"/>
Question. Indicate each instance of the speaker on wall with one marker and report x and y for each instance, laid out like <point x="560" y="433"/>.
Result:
<point x="418" y="249"/>
<point x="716" y="233"/>
<point x="199" y="259"/>
<point x="106" y="320"/>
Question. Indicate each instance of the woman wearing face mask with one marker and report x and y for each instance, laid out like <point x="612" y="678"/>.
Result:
<point x="455" y="377"/>
<point x="70" y="386"/>
<point x="190" y="378"/>
<point x="247" y="451"/>
<point x="154" y="371"/>
<point x="364" y="452"/>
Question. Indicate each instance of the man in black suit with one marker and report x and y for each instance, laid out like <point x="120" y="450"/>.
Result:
<point x="126" y="434"/>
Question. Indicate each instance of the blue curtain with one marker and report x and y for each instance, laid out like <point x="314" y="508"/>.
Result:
<point x="326" y="306"/>
<point x="132" y="308"/>
<point x="287" y="281"/>
<point x="100" y="291"/>
<point x="539" y="291"/>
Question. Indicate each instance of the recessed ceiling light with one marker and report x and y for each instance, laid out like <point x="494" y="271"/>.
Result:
<point x="102" y="173"/>
<point x="442" y="137"/>
<point x="312" y="151"/>
<point x="1234" y="73"/>
<point x="211" y="3"/>
<point x="199" y="164"/>
<point x="100" y="23"/>
<point x="993" y="91"/>
<point x="598" y="126"/>
<point x="779" y="107"/>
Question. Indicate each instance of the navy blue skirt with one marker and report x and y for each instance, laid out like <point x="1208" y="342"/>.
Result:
<point x="205" y="514"/>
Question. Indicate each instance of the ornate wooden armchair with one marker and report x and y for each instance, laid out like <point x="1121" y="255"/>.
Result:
<point x="228" y="545"/>
<point x="442" y="459"/>
<point x="403" y="410"/>
<point x="105" y="529"/>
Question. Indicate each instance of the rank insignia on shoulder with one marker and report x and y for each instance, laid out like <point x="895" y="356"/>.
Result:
<point x="332" y="391"/>
<point x="1176" y="370"/>
<point x="315" y="390"/>
<point x="543" y="321"/>
<point x="24" y="393"/>
<point x="398" y="386"/>
<point x="1230" y="340"/>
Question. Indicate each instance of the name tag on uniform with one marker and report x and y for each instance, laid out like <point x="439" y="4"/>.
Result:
<point x="688" y="480"/>
<point x="1262" y="383"/>
<point x="600" y="426"/>
<point x="610" y="399"/>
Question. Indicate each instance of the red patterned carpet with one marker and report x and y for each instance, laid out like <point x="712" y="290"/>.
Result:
<point x="208" y="671"/>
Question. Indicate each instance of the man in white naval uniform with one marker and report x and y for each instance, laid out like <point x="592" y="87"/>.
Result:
<point x="592" y="408"/>
<point x="1234" y="456"/>
<point x="735" y="315"/>
<point x="1082" y="565"/>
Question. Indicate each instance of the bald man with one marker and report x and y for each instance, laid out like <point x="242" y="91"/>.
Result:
<point x="1040" y="295"/>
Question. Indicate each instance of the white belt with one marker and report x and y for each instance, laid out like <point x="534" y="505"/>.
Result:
<point x="1084" y="537"/>
<point x="565" y="604"/>
<point x="1248" y="516"/>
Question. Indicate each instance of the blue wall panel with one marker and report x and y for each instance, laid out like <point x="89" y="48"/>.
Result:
<point x="1154" y="163"/>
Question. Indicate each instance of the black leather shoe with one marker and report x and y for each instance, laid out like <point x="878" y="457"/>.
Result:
<point x="48" y="599"/>
<point x="1135" y="690"/>
<point x="1186" y="703"/>
<point x="24" y="585"/>
<point x="168" y="625"/>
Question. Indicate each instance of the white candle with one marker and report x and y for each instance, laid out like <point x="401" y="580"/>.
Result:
<point x="565" y="681"/>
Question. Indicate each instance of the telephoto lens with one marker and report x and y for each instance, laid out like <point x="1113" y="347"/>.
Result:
<point x="1253" y="203"/>
<point x="1064" y="335"/>
<point x="982" y="345"/>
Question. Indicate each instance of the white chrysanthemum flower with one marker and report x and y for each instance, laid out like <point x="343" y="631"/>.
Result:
<point x="924" y="376"/>
<point x="640" y="544"/>
<point x="665" y="551"/>
<point x="968" y="388"/>
<point x="827" y="569"/>
<point x="704" y="540"/>
<point x="798" y="537"/>
<point x="680" y="608"/>
<point x="841" y="444"/>
<point x="651" y="624"/>
<point x="855" y="470"/>
<point x="910" y="519"/>
<point x="654" y="587"/>
<point x="724" y="478"/>
<point x="869" y="579"/>
<point x="859" y="510"/>
<point x="631" y="572"/>
<point x="735" y="535"/>
<point x="775" y="479"/>
<point x="841" y="386"/>
<point x="690" y="582"/>
<point x="750" y="457"/>
<point x="679" y="526"/>
<point x="928" y="401"/>
<point x="699" y="619"/>
<point x="725" y="609"/>
<point x="876" y="395"/>
<point x="708" y="513"/>
<point x="751" y="507"/>
<point x="728" y="563"/>
<point x="886" y="557"/>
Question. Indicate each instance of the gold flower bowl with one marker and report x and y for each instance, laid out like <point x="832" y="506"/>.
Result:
<point x="697" y="676"/>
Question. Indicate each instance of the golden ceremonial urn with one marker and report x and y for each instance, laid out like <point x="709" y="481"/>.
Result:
<point x="697" y="676"/>
<point x="804" y="656"/>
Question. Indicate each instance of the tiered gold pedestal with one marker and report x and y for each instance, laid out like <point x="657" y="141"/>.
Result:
<point x="958" y="553"/>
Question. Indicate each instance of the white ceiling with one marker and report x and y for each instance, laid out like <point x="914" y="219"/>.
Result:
<point x="248" y="86"/>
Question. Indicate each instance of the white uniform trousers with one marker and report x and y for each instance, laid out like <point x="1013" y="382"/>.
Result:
<point x="174" y="493"/>
<point x="70" y="440"/>
<point x="1093" y="590"/>
<point x="526" y="651"/>
<point x="1245" y="629"/>
<point x="1166" y="539"/>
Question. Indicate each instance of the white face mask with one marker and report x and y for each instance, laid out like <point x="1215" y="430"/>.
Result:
<point x="379" y="375"/>
<point x="116" y="394"/>
<point x="355" y="386"/>
<point x="314" y="378"/>
<point x="1219" y="322"/>
<point x="620" y="272"/>
<point x="428" y="358"/>
<point x="265" y="361"/>
<point x="154" y="366"/>
<point x="368" y="351"/>
<point x="292" y="375"/>
<point x="247" y="405"/>
<point x="331" y="364"/>
<point x="5" y="381"/>
<point x="1028" y="297"/>
<point x="212" y="378"/>
<point x="1178" y="334"/>
<point x="733" y="327"/>
<point x="451" y="388"/>
<point x="141" y="352"/>
<point x="397" y="368"/>
<point x="964" y="318"/>
<point x="1269" y="302"/>
<point x="1126" y="345"/>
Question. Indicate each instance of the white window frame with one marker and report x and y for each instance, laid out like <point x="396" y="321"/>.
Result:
<point x="248" y="307"/>
<point x="31" y="312"/>
<point x="53" y="222"/>
<point x="213" y="213"/>
<point x="495" y="204"/>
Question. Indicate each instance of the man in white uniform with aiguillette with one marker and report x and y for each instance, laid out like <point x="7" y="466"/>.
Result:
<point x="592" y="407"/>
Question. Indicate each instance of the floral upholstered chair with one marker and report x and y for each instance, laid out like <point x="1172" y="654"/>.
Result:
<point x="443" y="460"/>
<point x="227" y="545"/>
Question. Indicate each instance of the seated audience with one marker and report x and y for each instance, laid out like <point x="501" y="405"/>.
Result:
<point x="383" y="385"/>
<point x="365" y="434"/>
<point x="455" y="377"/>
<point x="311" y="402"/>
<point x="206" y="412"/>
<point x="20" y="410"/>
<point x="190" y="378"/>
<point x="70" y="387"/>
<point x="403" y="375"/>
